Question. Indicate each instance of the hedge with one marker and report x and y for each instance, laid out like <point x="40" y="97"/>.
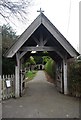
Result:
<point x="74" y="75"/>
<point x="74" y="78"/>
<point x="50" y="68"/>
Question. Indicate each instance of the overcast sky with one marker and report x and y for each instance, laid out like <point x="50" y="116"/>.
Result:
<point x="64" y="14"/>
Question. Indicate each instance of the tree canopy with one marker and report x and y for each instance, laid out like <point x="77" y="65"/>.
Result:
<point x="8" y="37"/>
<point x="15" y="8"/>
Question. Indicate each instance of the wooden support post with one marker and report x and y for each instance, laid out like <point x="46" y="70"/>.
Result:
<point x="0" y="98"/>
<point x="17" y="77"/>
<point x="61" y="78"/>
<point x="17" y="82"/>
<point x="21" y="78"/>
<point x="65" y="77"/>
<point x="0" y="88"/>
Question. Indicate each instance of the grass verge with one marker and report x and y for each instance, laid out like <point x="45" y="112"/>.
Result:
<point x="30" y="75"/>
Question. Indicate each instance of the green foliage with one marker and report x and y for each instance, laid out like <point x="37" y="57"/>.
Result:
<point x="8" y="38"/>
<point x="29" y="62"/>
<point x="50" y="68"/>
<point x="31" y="74"/>
<point x="74" y="78"/>
<point x="38" y="59"/>
<point x="32" y="61"/>
<point x="45" y="59"/>
<point x="8" y="66"/>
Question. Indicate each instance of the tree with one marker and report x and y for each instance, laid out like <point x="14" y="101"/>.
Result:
<point x="8" y="38"/>
<point x="15" y="8"/>
<point x="45" y="59"/>
<point x="32" y="61"/>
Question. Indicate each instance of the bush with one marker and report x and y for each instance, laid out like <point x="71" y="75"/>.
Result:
<point x="50" y="68"/>
<point x="8" y="66"/>
<point x="74" y="78"/>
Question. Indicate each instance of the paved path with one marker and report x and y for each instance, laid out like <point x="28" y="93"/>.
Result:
<point x="41" y="100"/>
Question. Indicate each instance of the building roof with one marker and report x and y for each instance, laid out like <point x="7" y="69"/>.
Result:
<point x="42" y="23"/>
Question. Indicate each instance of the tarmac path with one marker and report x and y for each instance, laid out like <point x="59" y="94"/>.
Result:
<point x="41" y="100"/>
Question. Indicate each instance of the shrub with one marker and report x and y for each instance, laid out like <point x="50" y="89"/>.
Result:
<point x="50" y="68"/>
<point x="8" y="66"/>
<point x="74" y="78"/>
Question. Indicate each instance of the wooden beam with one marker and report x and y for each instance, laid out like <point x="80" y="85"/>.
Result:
<point x="36" y="40"/>
<point x="45" y="41"/>
<point x="17" y="58"/>
<point x="21" y="77"/>
<point x="65" y="76"/>
<point x="41" y="39"/>
<point x="41" y="42"/>
<point x="17" y="76"/>
<point x="0" y="88"/>
<point x="22" y="54"/>
<point x="39" y="48"/>
<point x="39" y="54"/>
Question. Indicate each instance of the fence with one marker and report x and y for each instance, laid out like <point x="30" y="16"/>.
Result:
<point x="7" y="86"/>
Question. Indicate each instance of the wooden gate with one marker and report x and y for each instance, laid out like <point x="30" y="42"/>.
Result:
<point x="59" y="77"/>
<point x="23" y="81"/>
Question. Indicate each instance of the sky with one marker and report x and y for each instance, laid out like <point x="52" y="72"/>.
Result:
<point x="64" y="14"/>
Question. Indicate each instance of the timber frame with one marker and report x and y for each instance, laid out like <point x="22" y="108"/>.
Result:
<point x="40" y="36"/>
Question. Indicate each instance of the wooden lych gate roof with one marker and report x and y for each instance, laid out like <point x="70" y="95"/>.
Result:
<point x="43" y="33"/>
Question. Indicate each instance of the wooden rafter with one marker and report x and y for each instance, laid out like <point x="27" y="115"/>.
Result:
<point x="22" y="54"/>
<point x="36" y="40"/>
<point x="46" y="40"/>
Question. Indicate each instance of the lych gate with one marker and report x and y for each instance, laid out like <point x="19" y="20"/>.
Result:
<point x="42" y="35"/>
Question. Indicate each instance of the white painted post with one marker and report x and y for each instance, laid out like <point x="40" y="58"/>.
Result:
<point x="17" y="88"/>
<point x="65" y="77"/>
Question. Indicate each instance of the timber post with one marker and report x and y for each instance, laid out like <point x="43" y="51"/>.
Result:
<point x="21" y="77"/>
<point x="17" y="77"/>
<point x="0" y="88"/>
<point x="61" y="77"/>
<point x="65" y="76"/>
<point x="17" y="88"/>
<point x="0" y="97"/>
